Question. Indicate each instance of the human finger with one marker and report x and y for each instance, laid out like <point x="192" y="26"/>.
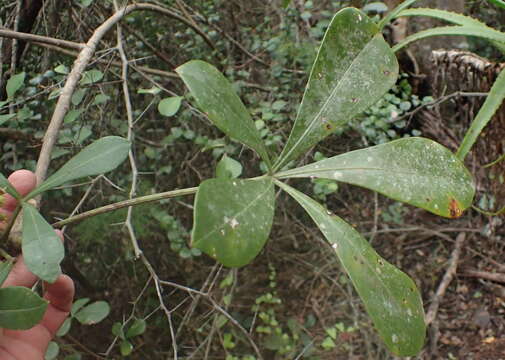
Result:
<point x="60" y="295"/>
<point x="23" y="181"/>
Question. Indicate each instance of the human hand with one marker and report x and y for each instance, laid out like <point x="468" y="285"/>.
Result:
<point x="32" y="344"/>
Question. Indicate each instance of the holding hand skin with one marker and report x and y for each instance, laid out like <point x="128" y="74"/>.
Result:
<point x="32" y="344"/>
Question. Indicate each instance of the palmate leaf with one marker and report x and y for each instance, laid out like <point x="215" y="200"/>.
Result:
<point x="216" y="97"/>
<point x="390" y="297"/>
<point x="20" y="308"/>
<point x="101" y="156"/>
<point x="233" y="219"/>
<point x="42" y="248"/>
<point x="354" y="67"/>
<point x="414" y="170"/>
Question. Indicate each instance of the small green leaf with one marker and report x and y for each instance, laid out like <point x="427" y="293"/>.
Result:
<point x="20" y="308"/>
<point x="100" y="99"/>
<point x="414" y="170"/>
<point x="153" y="91"/>
<point x="78" y="96"/>
<point x="328" y="343"/>
<point x="78" y="304"/>
<point x="52" y="351"/>
<point x="233" y="219"/>
<point x="491" y="105"/>
<point x="91" y="76"/>
<point x="101" y="156"/>
<point x="126" y="348"/>
<point x="6" y="117"/>
<point x="93" y="313"/>
<point x="14" y="84"/>
<point x="138" y="328"/>
<point x="332" y="332"/>
<point x="354" y="67"/>
<point x="65" y="327"/>
<point x="117" y="330"/>
<point x="5" y="186"/>
<point x="61" y="69"/>
<point x="285" y="3"/>
<point x="5" y="269"/>
<point x="390" y="297"/>
<point x="216" y="97"/>
<point x="42" y="248"/>
<point x="228" y="168"/>
<point x="169" y="106"/>
<point x="72" y="115"/>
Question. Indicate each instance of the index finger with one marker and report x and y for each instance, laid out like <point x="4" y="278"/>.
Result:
<point x="23" y="181"/>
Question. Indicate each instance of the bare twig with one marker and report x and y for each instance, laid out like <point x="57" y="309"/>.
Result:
<point x="446" y="280"/>
<point x="431" y="315"/>
<point x="40" y="39"/>
<point x="496" y="277"/>
<point x="80" y="64"/>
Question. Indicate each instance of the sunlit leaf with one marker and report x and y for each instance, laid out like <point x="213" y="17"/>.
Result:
<point x="14" y="84"/>
<point x="93" y="313"/>
<point x="353" y="69"/>
<point x="126" y="348"/>
<point x="414" y="170"/>
<point x="20" y="308"/>
<point x="101" y="156"/>
<point x="169" y="106"/>
<point x="233" y="219"/>
<point x="390" y="297"/>
<point x="216" y="97"/>
<point x="42" y="248"/>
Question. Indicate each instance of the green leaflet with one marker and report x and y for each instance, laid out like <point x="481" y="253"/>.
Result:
<point x="354" y="67"/>
<point x="493" y="101"/>
<point x="20" y="308"/>
<point x="454" y="18"/>
<point x="233" y="219"/>
<point x="479" y="31"/>
<point x="394" y="13"/>
<point x="216" y="97"/>
<point x="42" y="248"/>
<point x="5" y="186"/>
<point x="5" y="269"/>
<point x="414" y="170"/>
<point x="391" y="298"/>
<point x="101" y="156"/>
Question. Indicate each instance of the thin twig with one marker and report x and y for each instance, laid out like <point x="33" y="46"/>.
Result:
<point x="496" y="277"/>
<point x="446" y="280"/>
<point x="40" y="39"/>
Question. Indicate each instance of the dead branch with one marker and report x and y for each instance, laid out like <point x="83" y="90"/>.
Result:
<point x="40" y="39"/>
<point x="446" y="280"/>
<point x="486" y="275"/>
